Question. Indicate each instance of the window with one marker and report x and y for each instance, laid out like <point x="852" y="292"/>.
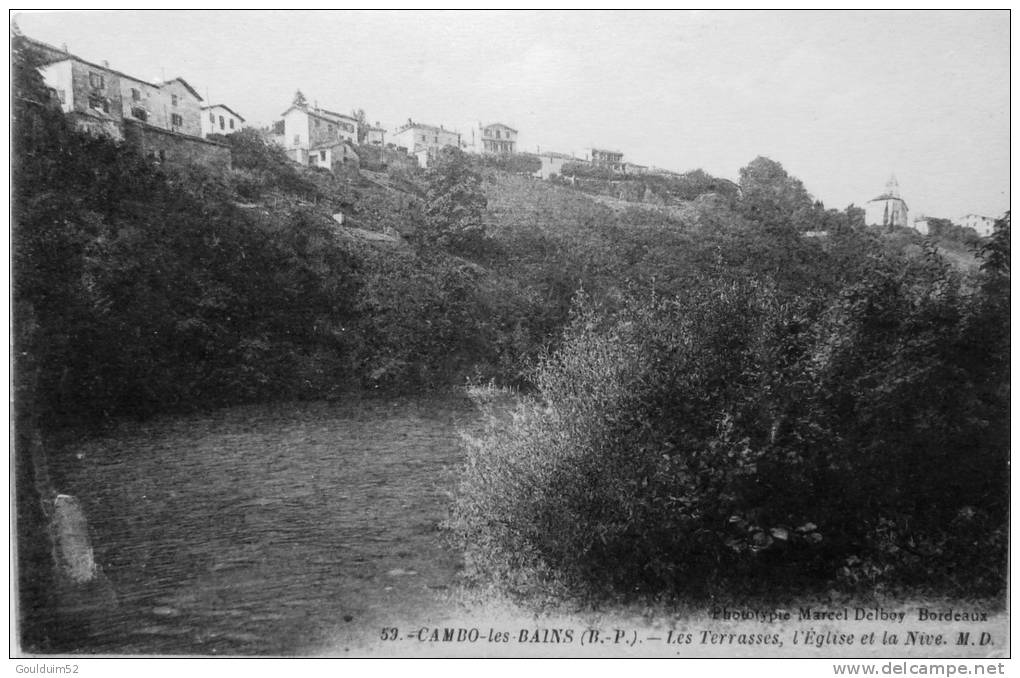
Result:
<point x="97" y="80"/>
<point x="99" y="104"/>
<point x="135" y="95"/>
<point x="322" y="155"/>
<point x="162" y="155"/>
<point x="140" y="113"/>
<point x="231" y="123"/>
<point x="423" y="137"/>
<point x="176" y="120"/>
<point x="497" y="134"/>
<point x="173" y="99"/>
<point x="212" y="117"/>
<point x="221" y="122"/>
<point x="437" y="139"/>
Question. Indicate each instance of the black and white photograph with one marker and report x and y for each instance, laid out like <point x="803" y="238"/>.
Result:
<point x="510" y="334"/>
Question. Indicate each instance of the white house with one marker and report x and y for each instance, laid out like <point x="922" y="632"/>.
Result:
<point x="220" y="119"/>
<point x="497" y="138"/>
<point x="375" y="135"/>
<point x="417" y="138"/>
<point x="306" y="126"/>
<point x="552" y="163"/>
<point x="328" y="153"/>
<point x="982" y="224"/>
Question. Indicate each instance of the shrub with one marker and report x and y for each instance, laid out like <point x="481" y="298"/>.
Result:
<point x="738" y="436"/>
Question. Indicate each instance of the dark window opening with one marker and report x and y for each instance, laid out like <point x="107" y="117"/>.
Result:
<point x="99" y="104"/>
<point x="176" y="120"/>
<point x="140" y="113"/>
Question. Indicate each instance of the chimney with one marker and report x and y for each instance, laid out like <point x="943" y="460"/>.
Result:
<point x="106" y="64"/>
<point x="63" y="46"/>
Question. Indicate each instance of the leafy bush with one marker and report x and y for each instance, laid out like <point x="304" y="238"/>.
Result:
<point x="264" y="166"/>
<point x="454" y="204"/>
<point x="736" y="435"/>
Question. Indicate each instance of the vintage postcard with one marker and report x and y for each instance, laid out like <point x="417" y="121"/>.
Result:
<point x="671" y="334"/>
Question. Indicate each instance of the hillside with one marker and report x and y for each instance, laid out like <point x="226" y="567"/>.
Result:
<point x="714" y="392"/>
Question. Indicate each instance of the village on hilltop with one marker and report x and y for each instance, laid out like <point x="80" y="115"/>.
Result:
<point x="170" y="122"/>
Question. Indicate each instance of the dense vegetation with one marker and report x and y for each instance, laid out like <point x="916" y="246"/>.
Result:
<point x="745" y="437"/>
<point x="715" y="398"/>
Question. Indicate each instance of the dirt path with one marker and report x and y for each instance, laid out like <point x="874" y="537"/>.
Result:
<point x="292" y="529"/>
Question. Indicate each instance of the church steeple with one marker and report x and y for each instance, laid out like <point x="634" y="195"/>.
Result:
<point x="892" y="187"/>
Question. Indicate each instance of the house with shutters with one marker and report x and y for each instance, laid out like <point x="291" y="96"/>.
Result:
<point x="308" y="128"/>
<point x="375" y="135"/>
<point x="220" y="119"/>
<point x="497" y="138"/>
<point x="162" y="119"/>
<point x="424" y="141"/>
<point x="601" y="157"/>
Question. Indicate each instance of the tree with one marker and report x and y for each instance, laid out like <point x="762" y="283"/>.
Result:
<point x="770" y="196"/>
<point x="359" y="115"/>
<point x="454" y="203"/>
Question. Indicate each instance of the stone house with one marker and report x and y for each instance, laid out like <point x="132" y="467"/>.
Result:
<point x="220" y="119"/>
<point x="375" y="135"/>
<point x="421" y="140"/>
<point x="161" y="120"/>
<point x="328" y="154"/>
<point x="305" y="127"/>
<point x="98" y="97"/>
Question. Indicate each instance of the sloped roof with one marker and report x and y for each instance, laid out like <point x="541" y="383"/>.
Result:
<point x="499" y="124"/>
<point x="224" y="106"/>
<point x="331" y="143"/>
<point x="334" y="114"/>
<point x="71" y="57"/>
<point x="322" y="114"/>
<point x="186" y="86"/>
<point x="887" y="196"/>
<point x="420" y="125"/>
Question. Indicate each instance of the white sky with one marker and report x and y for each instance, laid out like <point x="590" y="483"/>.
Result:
<point x="841" y="99"/>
